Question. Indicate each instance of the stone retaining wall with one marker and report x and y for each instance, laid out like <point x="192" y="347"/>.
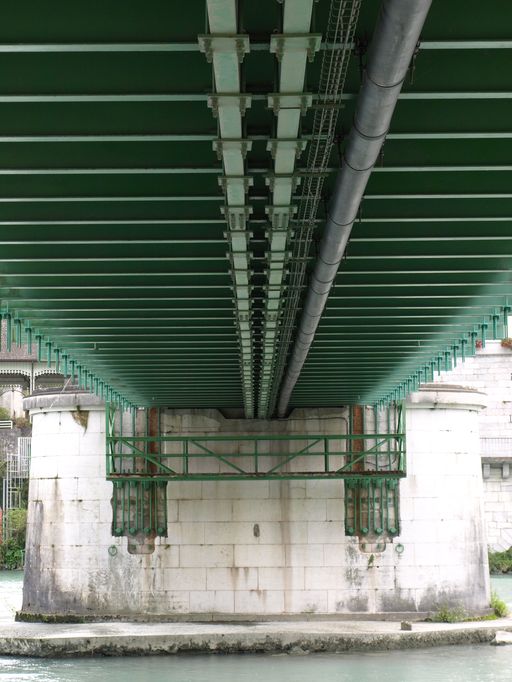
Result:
<point x="490" y="371"/>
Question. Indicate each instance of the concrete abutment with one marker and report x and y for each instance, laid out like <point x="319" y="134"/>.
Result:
<point x="260" y="548"/>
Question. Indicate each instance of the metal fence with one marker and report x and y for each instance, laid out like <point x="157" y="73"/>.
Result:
<point x="496" y="447"/>
<point x="16" y="473"/>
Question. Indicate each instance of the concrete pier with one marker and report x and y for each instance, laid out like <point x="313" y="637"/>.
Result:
<point x="255" y="549"/>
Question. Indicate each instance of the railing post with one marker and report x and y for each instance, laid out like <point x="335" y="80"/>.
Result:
<point x="326" y="455"/>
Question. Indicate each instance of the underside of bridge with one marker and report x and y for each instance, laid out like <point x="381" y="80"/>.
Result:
<point x="166" y="172"/>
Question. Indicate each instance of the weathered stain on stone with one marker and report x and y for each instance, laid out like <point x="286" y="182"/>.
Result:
<point x="351" y="552"/>
<point x="353" y="577"/>
<point x="357" y="604"/>
<point x="81" y="417"/>
<point x="397" y="602"/>
<point x="434" y="598"/>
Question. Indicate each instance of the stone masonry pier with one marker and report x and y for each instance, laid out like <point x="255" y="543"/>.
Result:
<point x="258" y="548"/>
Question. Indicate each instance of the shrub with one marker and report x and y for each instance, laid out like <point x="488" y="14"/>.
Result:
<point x="5" y="415"/>
<point x="17" y="520"/>
<point x="11" y="555"/>
<point x="498" y="605"/>
<point x="22" y="423"/>
<point x="500" y="562"/>
<point x="449" y="614"/>
<point x="13" y="550"/>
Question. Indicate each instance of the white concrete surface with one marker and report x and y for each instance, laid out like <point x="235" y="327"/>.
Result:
<point x="442" y="496"/>
<point x="490" y="371"/>
<point x="257" y="548"/>
<point x="502" y="637"/>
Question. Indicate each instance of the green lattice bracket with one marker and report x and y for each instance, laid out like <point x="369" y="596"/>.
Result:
<point x="254" y="457"/>
<point x="372" y="506"/>
<point x="242" y="457"/>
<point x="139" y="507"/>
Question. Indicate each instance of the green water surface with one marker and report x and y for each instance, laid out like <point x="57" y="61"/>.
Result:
<point x="480" y="663"/>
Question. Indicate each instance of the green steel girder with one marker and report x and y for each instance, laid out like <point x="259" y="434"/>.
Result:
<point x="226" y="49"/>
<point x="107" y="154"/>
<point x="192" y="46"/>
<point x="292" y="48"/>
<point x="186" y="97"/>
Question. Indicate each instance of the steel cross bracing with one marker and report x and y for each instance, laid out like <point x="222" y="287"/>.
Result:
<point x="113" y="252"/>
<point x="134" y="456"/>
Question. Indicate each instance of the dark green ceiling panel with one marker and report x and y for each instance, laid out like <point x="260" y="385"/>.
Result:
<point x="112" y="242"/>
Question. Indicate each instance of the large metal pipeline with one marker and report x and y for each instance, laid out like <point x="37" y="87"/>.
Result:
<point x="393" y="44"/>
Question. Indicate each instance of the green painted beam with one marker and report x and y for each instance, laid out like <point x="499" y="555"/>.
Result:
<point x="256" y="46"/>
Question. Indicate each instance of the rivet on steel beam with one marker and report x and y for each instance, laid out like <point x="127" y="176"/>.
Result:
<point x="455" y="348"/>
<point x="463" y="342"/>
<point x="39" y="343"/>
<point x="473" y="335"/>
<point x="432" y="368"/>
<point x="28" y="332"/>
<point x="8" y="331"/>
<point x="483" y="327"/>
<point x="506" y="310"/>
<point x="447" y="360"/>
<point x="495" y="320"/>
<point x="17" y="331"/>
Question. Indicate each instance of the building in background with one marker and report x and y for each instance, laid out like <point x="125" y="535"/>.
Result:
<point x="490" y="371"/>
<point x="21" y="374"/>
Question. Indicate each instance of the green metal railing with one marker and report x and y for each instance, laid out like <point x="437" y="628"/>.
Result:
<point x="237" y="457"/>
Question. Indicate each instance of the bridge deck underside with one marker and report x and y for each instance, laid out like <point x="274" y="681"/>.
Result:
<point x="113" y="246"/>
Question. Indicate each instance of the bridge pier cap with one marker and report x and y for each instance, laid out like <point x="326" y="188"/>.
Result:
<point x="447" y="397"/>
<point x="260" y="549"/>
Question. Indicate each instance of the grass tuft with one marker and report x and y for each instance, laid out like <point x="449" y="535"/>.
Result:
<point x="498" y="605"/>
<point x="449" y="614"/>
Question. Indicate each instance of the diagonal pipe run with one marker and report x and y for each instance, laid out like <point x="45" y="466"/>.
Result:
<point x="394" y="41"/>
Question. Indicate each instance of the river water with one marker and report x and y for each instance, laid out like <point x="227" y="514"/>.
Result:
<point x="481" y="663"/>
